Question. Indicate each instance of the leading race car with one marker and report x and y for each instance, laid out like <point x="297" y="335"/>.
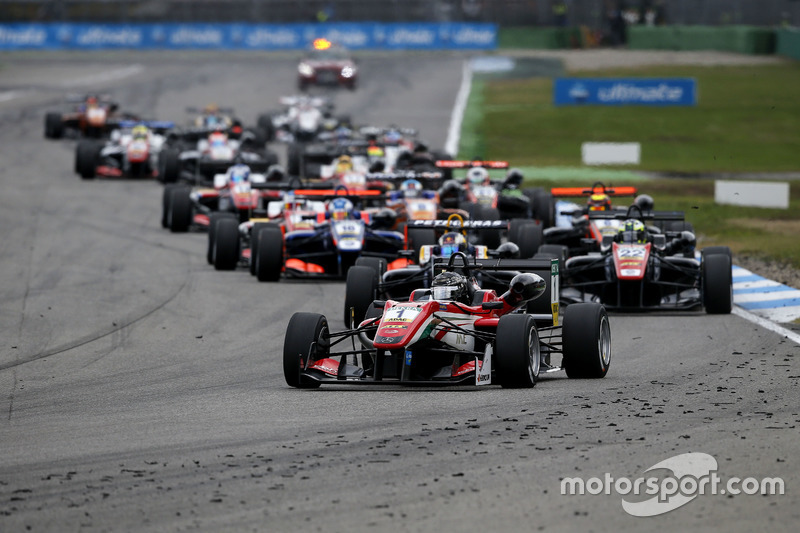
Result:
<point x="327" y="64"/>
<point x="454" y="333"/>
<point x="641" y="269"/>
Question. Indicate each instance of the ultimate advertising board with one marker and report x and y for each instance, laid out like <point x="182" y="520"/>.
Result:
<point x="625" y="91"/>
<point x="394" y="36"/>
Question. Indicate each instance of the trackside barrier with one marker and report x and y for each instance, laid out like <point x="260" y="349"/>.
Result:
<point x="788" y="42"/>
<point x="741" y="39"/>
<point x="389" y="36"/>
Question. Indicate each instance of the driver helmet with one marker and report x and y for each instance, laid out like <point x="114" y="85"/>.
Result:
<point x="633" y="231"/>
<point x="478" y="176"/>
<point x="340" y="209"/>
<point x="374" y="150"/>
<point x="344" y="164"/>
<point x="139" y="131"/>
<point x="217" y="139"/>
<point x="452" y="242"/>
<point x="392" y="136"/>
<point x="449" y="286"/>
<point x="599" y="202"/>
<point x="644" y="202"/>
<point x="275" y="173"/>
<point x="411" y="188"/>
<point x="239" y="174"/>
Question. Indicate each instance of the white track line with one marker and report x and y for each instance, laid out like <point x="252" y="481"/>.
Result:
<point x="454" y="132"/>
<point x="764" y="323"/>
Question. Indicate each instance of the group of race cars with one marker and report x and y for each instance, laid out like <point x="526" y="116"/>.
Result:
<point x="454" y="272"/>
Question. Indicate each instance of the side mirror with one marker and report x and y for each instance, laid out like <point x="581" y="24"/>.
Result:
<point x="492" y="305"/>
<point x="379" y="304"/>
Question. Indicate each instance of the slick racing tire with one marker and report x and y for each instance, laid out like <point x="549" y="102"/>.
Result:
<point x="269" y="255"/>
<point x="376" y="263"/>
<point x="515" y="225"/>
<point x="717" y="282"/>
<point x="716" y="250"/>
<point x="213" y="219"/>
<point x="86" y="155"/>
<point x="53" y="126"/>
<point x="586" y="340"/>
<point x="306" y="340"/>
<point x="544" y="208"/>
<point x="419" y="237"/>
<point x="488" y="237"/>
<point x="254" y="245"/>
<point x="517" y="357"/>
<point x="558" y="251"/>
<point x="166" y="202"/>
<point x="226" y="244"/>
<point x="179" y="216"/>
<point x="360" y="288"/>
<point x="530" y="239"/>
<point x="169" y="166"/>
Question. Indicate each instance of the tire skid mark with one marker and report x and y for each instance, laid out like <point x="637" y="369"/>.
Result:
<point x="87" y="339"/>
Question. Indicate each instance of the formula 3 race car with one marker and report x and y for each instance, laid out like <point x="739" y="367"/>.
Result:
<point x="639" y="269"/>
<point x="131" y="151"/>
<point x="454" y="333"/>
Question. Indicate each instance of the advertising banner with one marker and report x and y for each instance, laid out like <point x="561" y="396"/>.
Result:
<point x="356" y="36"/>
<point x="625" y="91"/>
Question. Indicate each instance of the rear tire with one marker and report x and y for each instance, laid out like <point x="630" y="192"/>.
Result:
<point x="488" y="237"/>
<point x="717" y="284"/>
<point x="544" y="208"/>
<point x="304" y="329"/>
<point x="530" y="239"/>
<point x="269" y="259"/>
<point x="586" y="338"/>
<point x="362" y="283"/>
<point x="517" y="354"/>
<point x="226" y="244"/>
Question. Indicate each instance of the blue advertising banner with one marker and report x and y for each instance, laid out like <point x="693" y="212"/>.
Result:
<point x="625" y="91"/>
<point x="376" y="36"/>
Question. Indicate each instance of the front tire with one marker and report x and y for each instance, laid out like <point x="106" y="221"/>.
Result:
<point x="586" y="338"/>
<point x="517" y="352"/>
<point x="306" y="340"/>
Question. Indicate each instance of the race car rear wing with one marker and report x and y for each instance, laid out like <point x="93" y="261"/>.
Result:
<point x="587" y="191"/>
<point x="458" y="225"/>
<point x="648" y="216"/>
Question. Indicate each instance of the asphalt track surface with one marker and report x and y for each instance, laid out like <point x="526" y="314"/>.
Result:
<point x="143" y="391"/>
